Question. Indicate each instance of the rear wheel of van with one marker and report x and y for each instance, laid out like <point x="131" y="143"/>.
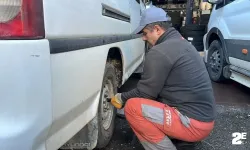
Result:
<point x="216" y="61"/>
<point x="106" y="111"/>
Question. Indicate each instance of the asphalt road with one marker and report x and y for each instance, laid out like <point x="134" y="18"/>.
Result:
<point x="233" y="115"/>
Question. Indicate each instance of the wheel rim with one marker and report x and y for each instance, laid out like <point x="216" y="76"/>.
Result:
<point x="215" y="62"/>
<point x="107" y="108"/>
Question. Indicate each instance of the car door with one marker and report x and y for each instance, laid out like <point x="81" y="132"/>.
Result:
<point x="236" y="23"/>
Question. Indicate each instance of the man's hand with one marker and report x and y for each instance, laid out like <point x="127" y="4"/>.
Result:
<point x="117" y="101"/>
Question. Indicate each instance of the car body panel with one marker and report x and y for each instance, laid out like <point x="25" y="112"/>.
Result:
<point x="26" y="105"/>
<point x="48" y="95"/>
<point x="229" y="21"/>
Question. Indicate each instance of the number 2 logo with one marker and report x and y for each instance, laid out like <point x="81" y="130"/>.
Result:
<point x="237" y="138"/>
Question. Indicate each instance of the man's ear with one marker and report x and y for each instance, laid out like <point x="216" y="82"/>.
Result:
<point x="158" y="29"/>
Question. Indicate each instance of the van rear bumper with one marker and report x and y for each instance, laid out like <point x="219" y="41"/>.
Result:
<point x="25" y="94"/>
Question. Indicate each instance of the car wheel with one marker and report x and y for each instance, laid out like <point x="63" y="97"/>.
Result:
<point x="106" y="111"/>
<point x="216" y="61"/>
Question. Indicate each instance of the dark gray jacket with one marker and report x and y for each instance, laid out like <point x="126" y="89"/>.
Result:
<point x="175" y="74"/>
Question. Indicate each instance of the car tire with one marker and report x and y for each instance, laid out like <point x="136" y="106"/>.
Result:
<point x="193" y="38"/>
<point x="106" y="123"/>
<point x="197" y="43"/>
<point x="193" y="30"/>
<point x="194" y="27"/>
<point x="199" y="48"/>
<point x="193" y="33"/>
<point x="216" y="61"/>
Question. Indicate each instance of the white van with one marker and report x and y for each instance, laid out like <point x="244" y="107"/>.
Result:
<point x="227" y="42"/>
<point x="60" y="61"/>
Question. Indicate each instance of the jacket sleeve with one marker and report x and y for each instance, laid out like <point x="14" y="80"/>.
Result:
<point x="156" y="70"/>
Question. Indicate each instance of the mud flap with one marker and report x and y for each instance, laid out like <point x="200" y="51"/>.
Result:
<point x="93" y="133"/>
<point x="81" y="141"/>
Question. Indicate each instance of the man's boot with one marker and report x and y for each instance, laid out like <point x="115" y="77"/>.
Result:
<point x="182" y="145"/>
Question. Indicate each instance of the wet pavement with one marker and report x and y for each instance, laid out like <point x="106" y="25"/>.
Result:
<point x="233" y="115"/>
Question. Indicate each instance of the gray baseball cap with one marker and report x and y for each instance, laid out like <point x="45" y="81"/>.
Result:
<point x="151" y="15"/>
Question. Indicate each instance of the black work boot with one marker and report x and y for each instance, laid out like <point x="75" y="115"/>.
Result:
<point x="182" y="145"/>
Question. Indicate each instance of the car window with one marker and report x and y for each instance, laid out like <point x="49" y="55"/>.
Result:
<point x="218" y="6"/>
<point x="138" y="1"/>
<point x="226" y="2"/>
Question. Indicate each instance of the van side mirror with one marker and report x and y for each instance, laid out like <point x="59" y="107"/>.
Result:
<point x="215" y="1"/>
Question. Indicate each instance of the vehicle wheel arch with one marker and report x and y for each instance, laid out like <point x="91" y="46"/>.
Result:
<point x="115" y="57"/>
<point x="215" y="34"/>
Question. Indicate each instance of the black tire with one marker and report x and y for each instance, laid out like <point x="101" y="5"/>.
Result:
<point x="216" y="61"/>
<point x="197" y="43"/>
<point x="181" y="33"/>
<point x="194" y="27"/>
<point x="105" y="135"/>
<point x="193" y="33"/>
<point x="194" y="38"/>
<point x="204" y="19"/>
<point x="199" y="48"/>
